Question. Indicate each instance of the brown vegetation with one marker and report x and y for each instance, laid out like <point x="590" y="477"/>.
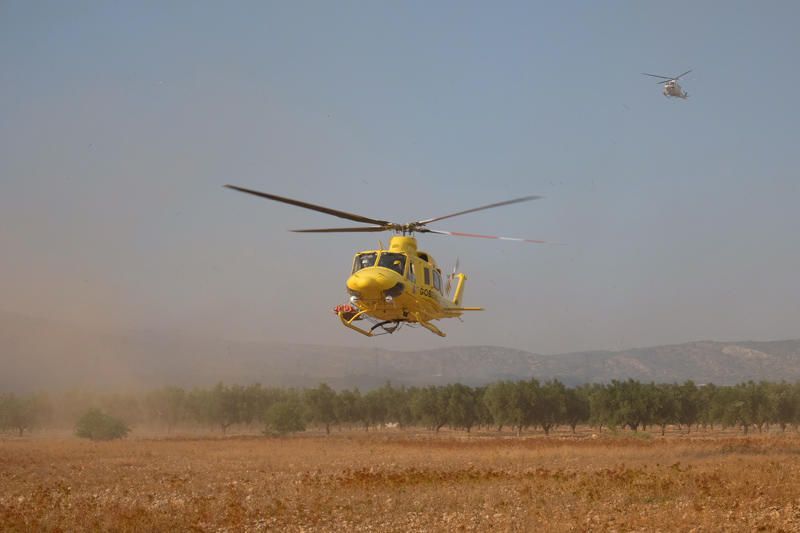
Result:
<point x="393" y="480"/>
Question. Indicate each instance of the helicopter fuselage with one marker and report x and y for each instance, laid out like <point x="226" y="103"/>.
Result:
<point x="673" y="89"/>
<point x="401" y="284"/>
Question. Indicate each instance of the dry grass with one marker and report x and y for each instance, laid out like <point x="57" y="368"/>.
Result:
<point x="389" y="481"/>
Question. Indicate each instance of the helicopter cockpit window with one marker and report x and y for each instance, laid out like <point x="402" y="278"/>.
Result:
<point x="364" y="261"/>
<point x="437" y="280"/>
<point x="396" y="262"/>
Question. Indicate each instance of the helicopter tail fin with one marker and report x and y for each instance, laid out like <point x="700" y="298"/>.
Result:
<point x="459" y="288"/>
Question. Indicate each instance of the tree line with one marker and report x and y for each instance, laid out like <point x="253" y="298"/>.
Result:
<point x="516" y="405"/>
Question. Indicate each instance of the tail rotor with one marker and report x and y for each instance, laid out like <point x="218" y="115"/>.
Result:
<point x="450" y="278"/>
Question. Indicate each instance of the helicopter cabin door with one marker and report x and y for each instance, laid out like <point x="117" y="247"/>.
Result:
<point x="426" y="279"/>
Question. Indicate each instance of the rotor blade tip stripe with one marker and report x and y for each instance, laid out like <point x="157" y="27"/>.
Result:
<point x="459" y="234"/>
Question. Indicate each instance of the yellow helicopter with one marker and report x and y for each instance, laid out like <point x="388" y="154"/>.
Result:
<point x="401" y="284"/>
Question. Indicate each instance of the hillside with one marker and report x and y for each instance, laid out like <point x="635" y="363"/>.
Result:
<point x="39" y="354"/>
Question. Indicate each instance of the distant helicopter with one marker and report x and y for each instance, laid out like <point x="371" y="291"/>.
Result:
<point x="401" y="284"/>
<point x="671" y="86"/>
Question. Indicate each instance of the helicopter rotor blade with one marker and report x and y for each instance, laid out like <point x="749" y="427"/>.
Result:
<point x="358" y="229"/>
<point x="478" y="236"/>
<point x="682" y="75"/>
<point x="657" y="76"/>
<point x="498" y="204"/>
<point x="313" y="207"/>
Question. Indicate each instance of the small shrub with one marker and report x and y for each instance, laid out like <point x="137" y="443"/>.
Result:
<point x="97" y="425"/>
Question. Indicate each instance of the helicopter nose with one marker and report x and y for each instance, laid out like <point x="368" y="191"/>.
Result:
<point x="369" y="284"/>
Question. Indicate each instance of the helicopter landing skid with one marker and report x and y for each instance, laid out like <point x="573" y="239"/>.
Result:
<point x="430" y="327"/>
<point x="388" y="326"/>
<point x="348" y="322"/>
<point x="427" y="325"/>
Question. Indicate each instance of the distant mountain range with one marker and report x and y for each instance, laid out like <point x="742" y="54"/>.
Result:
<point x="36" y="354"/>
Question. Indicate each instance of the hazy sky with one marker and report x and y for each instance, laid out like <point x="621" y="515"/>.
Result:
<point x="120" y="122"/>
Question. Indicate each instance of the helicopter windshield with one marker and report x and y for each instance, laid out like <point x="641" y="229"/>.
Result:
<point x="364" y="261"/>
<point x="396" y="262"/>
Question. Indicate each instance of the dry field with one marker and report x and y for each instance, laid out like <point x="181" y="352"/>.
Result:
<point x="394" y="481"/>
